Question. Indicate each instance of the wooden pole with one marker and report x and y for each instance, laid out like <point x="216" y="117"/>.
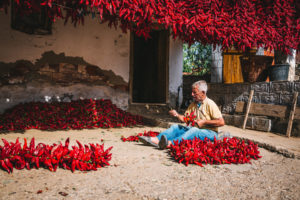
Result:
<point x="248" y="108"/>
<point x="292" y="113"/>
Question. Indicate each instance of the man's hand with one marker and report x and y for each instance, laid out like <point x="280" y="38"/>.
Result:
<point x="173" y="113"/>
<point x="200" y="122"/>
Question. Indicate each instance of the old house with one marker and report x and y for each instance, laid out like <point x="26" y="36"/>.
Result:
<point x="87" y="61"/>
<point x="41" y="60"/>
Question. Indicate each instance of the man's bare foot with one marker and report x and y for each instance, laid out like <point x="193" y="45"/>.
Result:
<point x="155" y="140"/>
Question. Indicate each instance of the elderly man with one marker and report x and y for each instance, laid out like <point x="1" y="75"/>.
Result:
<point x="208" y="119"/>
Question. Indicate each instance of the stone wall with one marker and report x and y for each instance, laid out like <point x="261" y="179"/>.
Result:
<point x="226" y="95"/>
<point x="278" y="93"/>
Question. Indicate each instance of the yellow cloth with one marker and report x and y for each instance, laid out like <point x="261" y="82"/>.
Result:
<point x="232" y="71"/>
<point x="207" y="111"/>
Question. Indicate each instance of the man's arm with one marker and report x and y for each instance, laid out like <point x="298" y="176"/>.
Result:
<point x="212" y="123"/>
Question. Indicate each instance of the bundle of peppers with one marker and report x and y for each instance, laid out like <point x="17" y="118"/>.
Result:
<point x="81" y="157"/>
<point x="189" y="119"/>
<point x="272" y="24"/>
<point x="134" y="138"/>
<point x="226" y="151"/>
<point x="78" y="114"/>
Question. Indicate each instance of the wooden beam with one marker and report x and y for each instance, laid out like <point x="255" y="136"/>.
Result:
<point x="248" y="108"/>
<point x="266" y="110"/>
<point x="292" y="113"/>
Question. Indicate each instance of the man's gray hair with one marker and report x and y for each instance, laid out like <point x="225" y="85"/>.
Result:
<point x="201" y="85"/>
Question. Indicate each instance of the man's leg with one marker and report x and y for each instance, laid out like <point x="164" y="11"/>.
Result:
<point x="173" y="132"/>
<point x="198" y="133"/>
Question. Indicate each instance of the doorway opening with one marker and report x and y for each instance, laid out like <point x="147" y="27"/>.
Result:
<point x="149" y="68"/>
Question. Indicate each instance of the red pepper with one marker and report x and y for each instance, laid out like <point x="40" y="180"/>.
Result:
<point x="3" y="165"/>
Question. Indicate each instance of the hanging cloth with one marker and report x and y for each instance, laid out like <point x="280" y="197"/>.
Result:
<point x="232" y="72"/>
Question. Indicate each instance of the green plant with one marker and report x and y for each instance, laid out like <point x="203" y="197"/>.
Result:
<point x="197" y="58"/>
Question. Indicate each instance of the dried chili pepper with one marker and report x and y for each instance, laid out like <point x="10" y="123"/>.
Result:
<point x="134" y="138"/>
<point x="82" y="158"/>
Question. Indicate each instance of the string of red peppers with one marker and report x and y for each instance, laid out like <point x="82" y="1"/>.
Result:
<point x="134" y="138"/>
<point x="78" y="114"/>
<point x="226" y="151"/>
<point x="231" y="23"/>
<point x="81" y="157"/>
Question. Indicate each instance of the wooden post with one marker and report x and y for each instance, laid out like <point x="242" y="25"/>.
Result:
<point x="248" y="108"/>
<point x="292" y="113"/>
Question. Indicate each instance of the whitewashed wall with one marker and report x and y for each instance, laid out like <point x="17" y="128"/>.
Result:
<point x="96" y="43"/>
<point x="175" y="72"/>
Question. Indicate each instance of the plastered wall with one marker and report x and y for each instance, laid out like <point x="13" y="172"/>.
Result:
<point x="95" y="43"/>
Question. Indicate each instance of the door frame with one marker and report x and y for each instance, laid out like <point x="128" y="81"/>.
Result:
<point x="131" y="69"/>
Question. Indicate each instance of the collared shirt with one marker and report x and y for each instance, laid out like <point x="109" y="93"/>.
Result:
<point x="207" y="110"/>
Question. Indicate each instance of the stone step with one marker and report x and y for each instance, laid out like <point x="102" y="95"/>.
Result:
<point x="253" y="122"/>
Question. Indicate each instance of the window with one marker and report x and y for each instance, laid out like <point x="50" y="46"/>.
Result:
<point x="33" y="23"/>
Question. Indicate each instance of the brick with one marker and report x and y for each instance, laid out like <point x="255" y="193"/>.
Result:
<point x="60" y="76"/>
<point x="239" y="98"/>
<point x="66" y="67"/>
<point x="46" y="73"/>
<point x="281" y="87"/>
<point x="297" y="86"/>
<point x="286" y="99"/>
<point x="262" y="124"/>
<point x="239" y="120"/>
<point x="240" y="88"/>
<point x="81" y="69"/>
<point x="269" y="98"/>
<point x="54" y="67"/>
<point x="45" y="68"/>
<point x="260" y="87"/>
<point x="255" y="98"/>
<point x="96" y="78"/>
<point x="229" y="119"/>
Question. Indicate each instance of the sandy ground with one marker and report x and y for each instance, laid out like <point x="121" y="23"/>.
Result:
<point x="142" y="172"/>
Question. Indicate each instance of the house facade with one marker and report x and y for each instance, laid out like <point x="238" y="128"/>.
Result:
<point x="88" y="61"/>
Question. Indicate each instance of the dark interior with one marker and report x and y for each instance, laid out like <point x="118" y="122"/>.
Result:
<point x="150" y="68"/>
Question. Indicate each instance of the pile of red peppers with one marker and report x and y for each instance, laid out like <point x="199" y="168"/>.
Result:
<point x="134" y="138"/>
<point x="78" y="114"/>
<point x="226" y="151"/>
<point x="81" y="157"/>
<point x="273" y="24"/>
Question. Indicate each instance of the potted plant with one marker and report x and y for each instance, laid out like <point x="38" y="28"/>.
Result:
<point x="279" y="71"/>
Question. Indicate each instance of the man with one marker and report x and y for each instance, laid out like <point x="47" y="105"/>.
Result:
<point x="208" y="119"/>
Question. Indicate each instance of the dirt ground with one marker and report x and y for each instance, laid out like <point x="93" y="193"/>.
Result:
<point x="143" y="172"/>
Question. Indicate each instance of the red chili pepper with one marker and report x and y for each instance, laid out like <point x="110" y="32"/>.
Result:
<point x="3" y="165"/>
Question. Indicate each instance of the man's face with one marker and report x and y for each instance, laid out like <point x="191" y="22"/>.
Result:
<point x="198" y="95"/>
